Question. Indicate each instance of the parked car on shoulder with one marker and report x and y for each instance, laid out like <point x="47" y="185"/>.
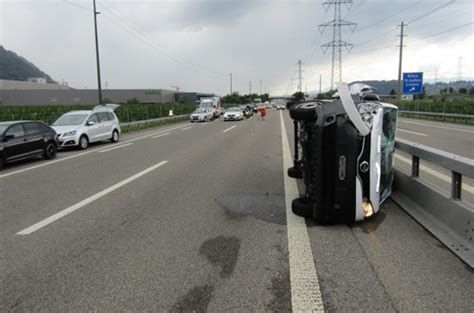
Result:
<point x="80" y="128"/>
<point x="201" y="115"/>
<point x="26" y="139"/>
<point x="233" y="114"/>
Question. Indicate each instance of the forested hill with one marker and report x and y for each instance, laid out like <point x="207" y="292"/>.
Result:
<point x="15" y="67"/>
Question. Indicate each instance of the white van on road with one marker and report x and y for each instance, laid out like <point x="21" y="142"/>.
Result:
<point x="79" y="128"/>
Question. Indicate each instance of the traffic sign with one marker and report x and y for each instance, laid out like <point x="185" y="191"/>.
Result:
<point x="413" y="83"/>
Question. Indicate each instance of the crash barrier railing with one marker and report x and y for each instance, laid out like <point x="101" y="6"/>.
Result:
<point x="445" y="215"/>
<point x="464" y="118"/>
<point x="167" y="118"/>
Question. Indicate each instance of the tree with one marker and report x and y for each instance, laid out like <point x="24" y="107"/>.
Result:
<point x="393" y="92"/>
<point x="471" y="90"/>
<point x="298" y="96"/>
<point x="451" y="89"/>
<point x="463" y="90"/>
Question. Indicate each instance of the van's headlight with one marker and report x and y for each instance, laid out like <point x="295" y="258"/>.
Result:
<point x="367" y="207"/>
<point x="71" y="133"/>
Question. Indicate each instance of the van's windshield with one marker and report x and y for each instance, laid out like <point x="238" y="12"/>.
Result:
<point x="70" y="119"/>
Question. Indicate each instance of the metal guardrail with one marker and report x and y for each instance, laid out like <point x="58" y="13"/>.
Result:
<point x="448" y="218"/>
<point x="136" y="123"/>
<point x="443" y="116"/>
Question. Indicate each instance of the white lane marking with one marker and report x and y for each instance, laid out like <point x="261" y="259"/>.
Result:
<point x="436" y="174"/>
<point x="83" y="153"/>
<point x="305" y="291"/>
<point x="50" y="162"/>
<point x="411" y="132"/>
<point x="186" y="128"/>
<point x="77" y="206"/>
<point x="117" y="147"/>
<point x="226" y="130"/>
<point x="161" y="135"/>
<point x="437" y="126"/>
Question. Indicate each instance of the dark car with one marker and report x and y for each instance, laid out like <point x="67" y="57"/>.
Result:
<point x="26" y="139"/>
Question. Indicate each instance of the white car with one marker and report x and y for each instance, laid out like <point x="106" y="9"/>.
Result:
<point x="280" y="106"/>
<point x="80" y="128"/>
<point x="233" y="114"/>
<point x="202" y="115"/>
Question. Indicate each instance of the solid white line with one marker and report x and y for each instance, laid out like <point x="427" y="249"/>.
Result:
<point x="161" y="135"/>
<point x="83" y="153"/>
<point x="77" y="206"/>
<point x="436" y="174"/>
<point x="226" y="130"/>
<point x="411" y="132"/>
<point x="186" y="128"/>
<point x="117" y="147"/>
<point x="436" y="126"/>
<point x="49" y="163"/>
<point x="305" y="291"/>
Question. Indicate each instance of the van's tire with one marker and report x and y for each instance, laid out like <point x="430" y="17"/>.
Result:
<point x="115" y="136"/>
<point x="304" y="112"/>
<point x="83" y="142"/>
<point x="50" y="151"/>
<point x="295" y="172"/>
<point x="302" y="207"/>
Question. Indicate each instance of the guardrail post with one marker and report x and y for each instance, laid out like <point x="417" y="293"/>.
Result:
<point x="456" y="184"/>
<point x="415" y="166"/>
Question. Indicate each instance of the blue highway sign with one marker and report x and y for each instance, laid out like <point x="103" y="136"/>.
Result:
<point x="413" y="83"/>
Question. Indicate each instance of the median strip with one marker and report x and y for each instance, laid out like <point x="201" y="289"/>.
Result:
<point x="77" y="206"/>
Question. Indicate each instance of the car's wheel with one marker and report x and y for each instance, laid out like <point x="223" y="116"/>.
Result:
<point x="50" y="151"/>
<point x="1" y="163"/>
<point x="205" y="119"/>
<point x="115" y="136"/>
<point x="304" y="112"/>
<point x="295" y="172"/>
<point x="302" y="207"/>
<point x="83" y="142"/>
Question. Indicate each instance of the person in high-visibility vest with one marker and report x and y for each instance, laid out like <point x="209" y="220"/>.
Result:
<point x="263" y="112"/>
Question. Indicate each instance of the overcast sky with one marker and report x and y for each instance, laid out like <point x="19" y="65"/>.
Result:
<point x="196" y="43"/>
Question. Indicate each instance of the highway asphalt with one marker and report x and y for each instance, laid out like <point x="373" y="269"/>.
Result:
<point x="192" y="217"/>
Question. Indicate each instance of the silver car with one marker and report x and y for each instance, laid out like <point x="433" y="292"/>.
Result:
<point x="233" y="114"/>
<point x="79" y="128"/>
<point x="201" y="115"/>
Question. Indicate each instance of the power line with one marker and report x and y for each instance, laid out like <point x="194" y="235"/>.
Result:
<point x="431" y="12"/>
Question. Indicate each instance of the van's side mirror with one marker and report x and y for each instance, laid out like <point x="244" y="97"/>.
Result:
<point x="90" y="123"/>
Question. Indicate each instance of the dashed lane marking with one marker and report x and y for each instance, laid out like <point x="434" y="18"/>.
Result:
<point x="77" y="206"/>
<point x="226" y="130"/>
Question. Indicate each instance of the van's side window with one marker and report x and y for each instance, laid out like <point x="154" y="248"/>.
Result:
<point x="93" y="118"/>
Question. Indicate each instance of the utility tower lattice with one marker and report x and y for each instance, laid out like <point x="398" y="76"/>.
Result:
<point x="337" y="43"/>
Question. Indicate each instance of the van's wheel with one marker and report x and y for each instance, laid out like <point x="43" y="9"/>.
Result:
<point x="50" y="151"/>
<point x="205" y="119"/>
<point x="295" y="172"/>
<point x="83" y="142"/>
<point x="302" y="207"/>
<point x="115" y="136"/>
<point x="304" y="112"/>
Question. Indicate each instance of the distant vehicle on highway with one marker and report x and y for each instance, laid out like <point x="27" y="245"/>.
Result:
<point x="280" y="106"/>
<point x="213" y="103"/>
<point x="26" y="139"/>
<point x="80" y="128"/>
<point x="202" y="115"/>
<point x="233" y="114"/>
